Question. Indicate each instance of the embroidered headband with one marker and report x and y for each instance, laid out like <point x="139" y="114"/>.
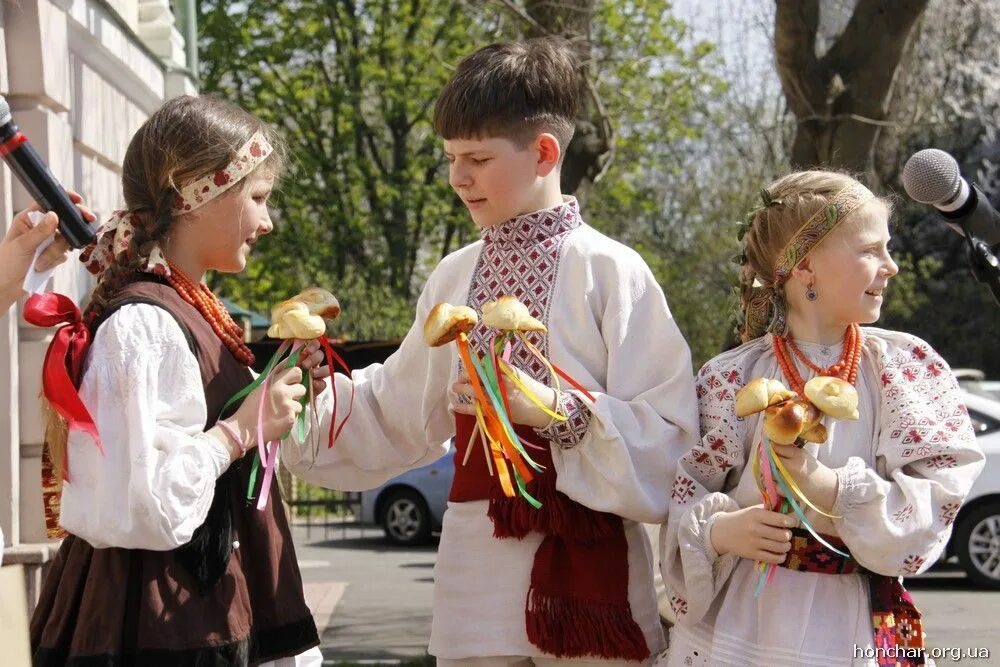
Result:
<point x="765" y="308"/>
<point x="816" y="228"/>
<point x="114" y="235"/>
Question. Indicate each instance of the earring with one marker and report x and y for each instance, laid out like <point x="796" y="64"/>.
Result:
<point x="811" y="293"/>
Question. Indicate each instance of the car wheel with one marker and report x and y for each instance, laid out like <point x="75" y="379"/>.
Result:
<point x="977" y="543"/>
<point x="405" y="518"/>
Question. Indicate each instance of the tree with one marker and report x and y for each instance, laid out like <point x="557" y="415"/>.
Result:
<point x="593" y="140"/>
<point x="840" y="99"/>
<point x="366" y="208"/>
<point x="363" y="207"/>
<point x="638" y="161"/>
<point x="947" y="93"/>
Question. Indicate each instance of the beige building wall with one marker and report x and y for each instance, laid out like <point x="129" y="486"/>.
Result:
<point x="80" y="77"/>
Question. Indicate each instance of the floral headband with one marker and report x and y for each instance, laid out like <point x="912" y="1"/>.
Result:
<point x="765" y="310"/>
<point x="114" y="235"/>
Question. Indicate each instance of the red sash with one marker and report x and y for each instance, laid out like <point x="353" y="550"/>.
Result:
<point x="577" y="604"/>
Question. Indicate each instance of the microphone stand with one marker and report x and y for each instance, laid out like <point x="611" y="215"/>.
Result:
<point x="984" y="263"/>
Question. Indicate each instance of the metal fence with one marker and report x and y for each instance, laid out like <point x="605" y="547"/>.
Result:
<point x="319" y="509"/>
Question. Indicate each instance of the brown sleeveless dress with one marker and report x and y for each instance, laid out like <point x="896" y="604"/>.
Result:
<point x="209" y="602"/>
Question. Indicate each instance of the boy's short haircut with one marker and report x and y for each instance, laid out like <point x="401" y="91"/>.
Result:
<point x="514" y="90"/>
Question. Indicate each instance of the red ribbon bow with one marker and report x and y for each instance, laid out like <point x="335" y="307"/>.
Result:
<point x="63" y="360"/>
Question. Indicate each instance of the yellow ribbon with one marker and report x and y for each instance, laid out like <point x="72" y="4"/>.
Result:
<point x="795" y="488"/>
<point x="541" y="357"/>
<point x="512" y="374"/>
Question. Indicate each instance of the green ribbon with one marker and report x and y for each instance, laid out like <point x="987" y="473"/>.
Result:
<point x="490" y="380"/>
<point x="290" y="359"/>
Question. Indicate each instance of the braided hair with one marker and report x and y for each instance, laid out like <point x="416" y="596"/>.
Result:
<point x="185" y="139"/>
<point x="789" y="203"/>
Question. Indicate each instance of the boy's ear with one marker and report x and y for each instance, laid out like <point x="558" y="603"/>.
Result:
<point x="548" y="153"/>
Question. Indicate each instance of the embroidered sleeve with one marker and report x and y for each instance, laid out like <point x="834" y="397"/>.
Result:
<point x="568" y="433"/>
<point x="691" y="569"/>
<point x="899" y="523"/>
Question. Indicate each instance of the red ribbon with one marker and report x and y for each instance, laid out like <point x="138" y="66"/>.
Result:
<point x="63" y="360"/>
<point x="331" y="356"/>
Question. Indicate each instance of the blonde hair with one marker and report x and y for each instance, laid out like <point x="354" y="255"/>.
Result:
<point x="794" y="199"/>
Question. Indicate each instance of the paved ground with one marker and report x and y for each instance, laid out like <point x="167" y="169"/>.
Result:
<point x="382" y="594"/>
<point x="960" y="618"/>
<point x="373" y="601"/>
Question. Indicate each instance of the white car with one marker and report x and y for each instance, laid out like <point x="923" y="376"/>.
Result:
<point x="976" y="536"/>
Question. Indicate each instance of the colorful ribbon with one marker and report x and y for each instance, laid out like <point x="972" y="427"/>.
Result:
<point x="495" y="425"/>
<point x="503" y="447"/>
<point x="331" y="356"/>
<point x="63" y="361"/>
<point x="778" y="488"/>
<point x="287" y="356"/>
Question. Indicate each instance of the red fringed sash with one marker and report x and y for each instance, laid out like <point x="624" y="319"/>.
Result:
<point x="577" y="605"/>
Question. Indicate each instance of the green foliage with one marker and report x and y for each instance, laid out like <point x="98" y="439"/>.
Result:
<point x="936" y="297"/>
<point x="905" y="298"/>
<point x="651" y="197"/>
<point x="363" y="208"/>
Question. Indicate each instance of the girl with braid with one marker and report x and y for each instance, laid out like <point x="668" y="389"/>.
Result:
<point x="815" y="264"/>
<point x="165" y="563"/>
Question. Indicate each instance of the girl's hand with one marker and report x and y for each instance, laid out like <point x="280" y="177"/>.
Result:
<point x="281" y="406"/>
<point x="522" y="409"/>
<point x="754" y="533"/>
<point x="309" y="361"/>
<point x="816" y="480"/>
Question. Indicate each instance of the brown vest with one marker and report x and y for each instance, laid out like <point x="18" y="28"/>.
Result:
<point x="208" y="602"/>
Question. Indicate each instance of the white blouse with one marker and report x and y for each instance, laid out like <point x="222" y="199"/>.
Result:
<point x="154" y="483"/>
<point x="903" y="468"/>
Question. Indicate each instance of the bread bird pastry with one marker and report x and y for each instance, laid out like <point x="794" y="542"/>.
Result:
<point x="446" y="322"/>
<point x="789" y="417"/>
<point x="760" y="394"/>
<point x="509" y="314"/>
<point x="835" y="397"/>
<point x="787" y="421"/>
<point x="305" y="315"/>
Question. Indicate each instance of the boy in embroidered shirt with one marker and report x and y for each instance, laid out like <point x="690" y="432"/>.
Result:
<point x="577" y="581"/>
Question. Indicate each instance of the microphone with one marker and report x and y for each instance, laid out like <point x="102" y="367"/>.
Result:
<point x="932" y="176"/>
<point x="35" y="176"/>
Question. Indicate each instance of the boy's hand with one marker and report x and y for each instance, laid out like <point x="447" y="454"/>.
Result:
<point x="523" y="410"/>
<point x="309" y="361"/>
<point x="816" y="480"/>
<point x="753" y="533"/>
